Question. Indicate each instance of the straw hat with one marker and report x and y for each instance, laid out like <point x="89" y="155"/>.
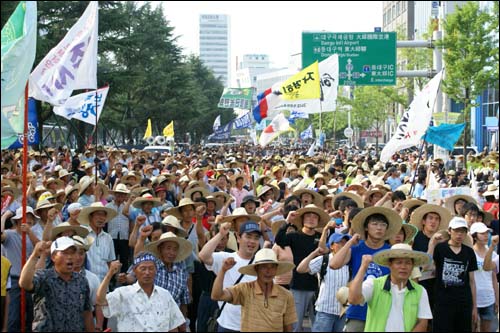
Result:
<point x="121" y="188"/>
<point x="64" y="173"/>
<point x="410" y="232"/>
<point x="176" y="211"/>
<point x="43" y="204"/>
<point x="356" y="187"/>
<point x="261" y="180"/>
<point x="184" y="251"/>
<point x="237" y="213"/>
<point x="266" y="256"/>
<point x="266" y="188"/>
<point x="194" y="184"/>
<point x="204" y="192"/>
<point x="410" y="203"/>
<point x="38" y="189"/>
<point x="83" y="218"/>
<point x="350" y="195"/>
<point x="395" y="221"/>
<point x="137" y="203"/>
<point x="84" y="183"/>
<point x="449" y="203"/>
<point x="83" y="242"/>
<point x="126" y="179"/>
<point x="224" y="194"/>
<point x="317" y="198"/>
<point x="51" y="180"/>
<point x="492" y="190"/>
<point x="15" y="191"/>
<point x="401" y="251"/>
<point x="418" y="215"/>
<point x="173" y="222"/>
<point x="70" y="189"/>
<point x="311" y="208"/>
<point x="65" y="226"/>
<point x="342" y="296"/>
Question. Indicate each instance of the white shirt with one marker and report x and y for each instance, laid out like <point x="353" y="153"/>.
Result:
<point x="395" y="321"/>
<point x="136" y="312"/>
<point x="485" y="294"/>
<point x="119" y="225"/>
<point x="94" y="283"/>
<point x="100" y="253"/>
<point x="230" y="317"/>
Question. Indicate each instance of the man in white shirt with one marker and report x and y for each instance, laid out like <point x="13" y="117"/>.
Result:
<point x="248" y="239"/>
<point x="395" y="302"/>
<point x="141" y="307"/>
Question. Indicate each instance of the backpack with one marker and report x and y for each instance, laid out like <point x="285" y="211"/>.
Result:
<point x="324" y="267"/>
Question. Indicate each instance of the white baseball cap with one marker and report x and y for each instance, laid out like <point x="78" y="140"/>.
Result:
<point x="479" y="227"/>
<point x="458" y="222"/>
<point x="19" y="213"/>
<point x="61" y="244"/>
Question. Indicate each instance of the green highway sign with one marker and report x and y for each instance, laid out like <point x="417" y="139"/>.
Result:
<point x="365" y="58"/>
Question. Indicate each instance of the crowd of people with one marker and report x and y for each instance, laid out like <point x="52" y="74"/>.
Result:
<point x="249" y="239"/>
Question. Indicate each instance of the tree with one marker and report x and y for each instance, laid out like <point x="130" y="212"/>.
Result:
<point x="468" y="40"/>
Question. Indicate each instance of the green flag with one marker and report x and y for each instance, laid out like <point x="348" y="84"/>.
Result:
<point x="18" y="54"/>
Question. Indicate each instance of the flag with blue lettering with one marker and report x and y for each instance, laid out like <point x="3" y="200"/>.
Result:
<point x="444" y="135"/>
<point x="71" y="65"/>
<point x="307" y="133"/>
<point x="18" y="54"/>
<point x="243" y="121"/>
<point x="83" y="106"/>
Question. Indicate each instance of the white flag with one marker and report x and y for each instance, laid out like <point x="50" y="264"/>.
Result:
<point x="415" y="121"/>
<point x="310" y="152"/>
<point x="71" y="65"/>
<point x="216" y="123"/>
<point x="82" y="106"/>
<point x="278" y="125"/>
<point x="329" y="76"/>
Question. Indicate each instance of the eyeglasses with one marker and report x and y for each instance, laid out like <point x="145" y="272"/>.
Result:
<point x="378" y="223"/>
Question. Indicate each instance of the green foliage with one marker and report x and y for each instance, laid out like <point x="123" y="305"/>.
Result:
<point x="141" y="61"/>
<point x="468" y="40"/>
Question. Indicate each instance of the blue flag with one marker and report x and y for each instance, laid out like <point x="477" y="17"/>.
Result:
<point x="307" y="133"/>
<point x="444" y="135"/>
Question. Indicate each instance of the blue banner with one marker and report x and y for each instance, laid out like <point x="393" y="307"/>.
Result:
<point x="222" y="132"/>
<point x="444" y="135"/>
<point x="307" y="133"/>
<point x="245" y="121"/>
<point x="33" y="135"/>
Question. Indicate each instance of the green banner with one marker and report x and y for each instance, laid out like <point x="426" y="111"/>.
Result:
<point x="365" y="59"/>
<point x="236" y="98"/>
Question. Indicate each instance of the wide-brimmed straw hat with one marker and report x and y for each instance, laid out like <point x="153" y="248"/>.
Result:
<point x="395" y="221"/>
<point x="350" y="195"/>
<point x="126" y="179"/>
<point x="121" y="188"/>
<point x="83" y="217"/>
<point x="311" y="208"/>
<point x="137" y="203"/>
<point x="317" y="198"/>
<point x="239" y="212"/>
<point x="15" y="191"/>
<point x="492" y="190"/>
<point x="43" y="204"/>
<point x="419" y="213"/>
<point x="84" y="183"/>
<point x="266" y="256"/>
<point x="83" y="242"/>
<point x="222" y="193"/>
<point x="203" y="190"/>
<point x="411" y="203"/>
<point x="185" y="246"/>
<point x="174" y="222"/>
<point x="65" y="226"/>
<point x="449" y="203"/>
<point x="51" y="180"/>
<point x="176" y="211"/>
<point x="64" y="173"/>
<point x="269" y="187"/>
<point x="410" y="232"/>
<point x="401" y="251"/>
<point x="276" y="225"/>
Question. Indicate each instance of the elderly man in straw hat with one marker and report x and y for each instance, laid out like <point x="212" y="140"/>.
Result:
<point x="395" y="302"/>
<point x="374" y="226"/>
<point x="302" y="243"/>
<point x="265" y="306"/>
<point x="455" y="292"/>
<point x="158" y="310"/>
<point x="102" y="252"/>
<point x="248" y="238"/>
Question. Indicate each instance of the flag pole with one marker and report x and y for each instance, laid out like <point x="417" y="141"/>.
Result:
<point x="24" y="203"/>
<point x="416" y="168"/>
<point x="95" y="139"/>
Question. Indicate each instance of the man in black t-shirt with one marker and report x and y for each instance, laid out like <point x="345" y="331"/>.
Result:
<point x="455" y="307"/>
<point x="302" y="243"/>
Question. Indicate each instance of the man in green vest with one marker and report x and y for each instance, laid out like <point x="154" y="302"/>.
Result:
<point x="395" y="302"/>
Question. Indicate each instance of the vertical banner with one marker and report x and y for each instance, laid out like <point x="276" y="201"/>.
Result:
<point x="33" y="135"/>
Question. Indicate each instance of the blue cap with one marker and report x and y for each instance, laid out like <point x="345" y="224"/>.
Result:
<point x="250" y="226"/>
<point x="336" y="237"/>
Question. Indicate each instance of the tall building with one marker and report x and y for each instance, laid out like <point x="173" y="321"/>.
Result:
<point x="215" y="44"/>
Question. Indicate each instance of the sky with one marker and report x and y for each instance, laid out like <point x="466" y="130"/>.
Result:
<point x="271" y="27"/>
